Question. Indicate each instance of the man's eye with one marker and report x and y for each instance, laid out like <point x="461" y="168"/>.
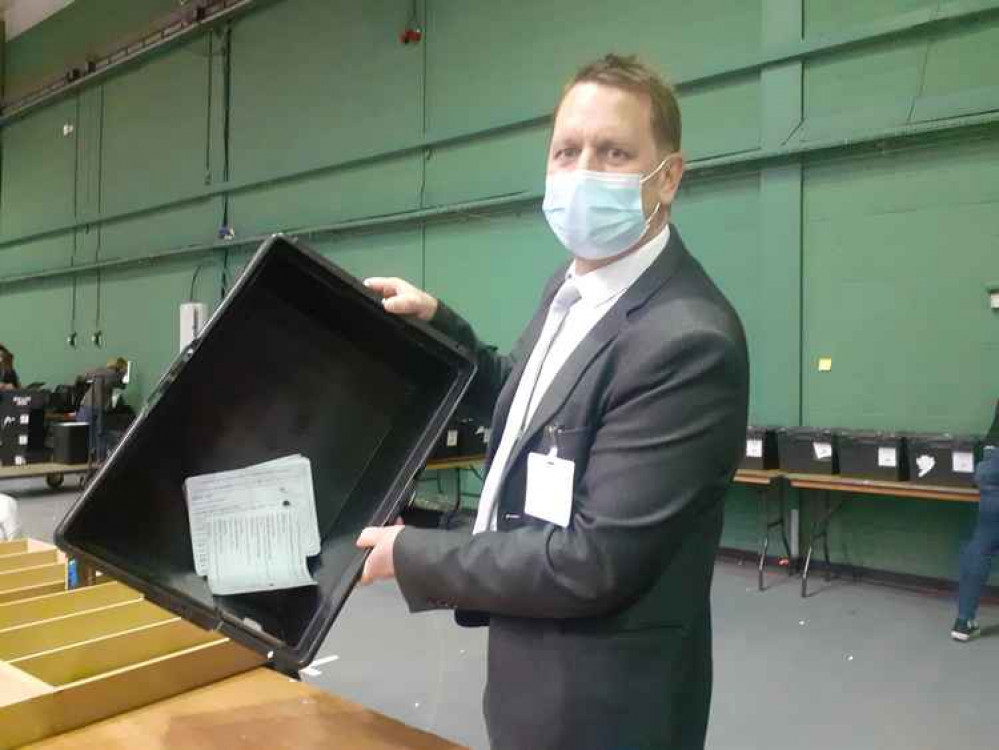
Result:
<point x="566" y="153"/>
<point x="617" y="154"/>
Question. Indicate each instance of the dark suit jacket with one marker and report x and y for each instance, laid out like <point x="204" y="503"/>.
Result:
<point x="600" y="633"/>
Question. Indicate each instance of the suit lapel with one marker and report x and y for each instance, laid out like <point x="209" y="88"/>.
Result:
<point x="527" y="343"/>
<point x="606" y="329"/>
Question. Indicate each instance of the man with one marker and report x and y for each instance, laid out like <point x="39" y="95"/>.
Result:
<point x="97" y="401"/>
<point x="619" y="420"/>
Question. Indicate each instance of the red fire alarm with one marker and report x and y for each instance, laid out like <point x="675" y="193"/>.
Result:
<point x="412" y="35"/>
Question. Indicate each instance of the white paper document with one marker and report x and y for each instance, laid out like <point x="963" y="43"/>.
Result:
<point x="264" y="486"/>
<point x="256" y="551"/>
<point x="888" y="458"/>
<point x="823" y="451"/>
<point x="963" y="462"/>
<point x="253" y="528"/>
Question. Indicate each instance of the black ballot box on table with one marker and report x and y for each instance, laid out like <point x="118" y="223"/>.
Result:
<point x="943" y="459"/>
<point x="807" y="450"/>
<point x="447" y="445"/>
<point x="870" y="454"/>
<point x="761" y="449"/>
<point x="22" y="426"/>
<point x="473" y="437"/>
<point x="300" y="358"/>
<point x="70" y="442"/>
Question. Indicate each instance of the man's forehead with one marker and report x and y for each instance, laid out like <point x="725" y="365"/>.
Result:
<point x="590" y="106"/>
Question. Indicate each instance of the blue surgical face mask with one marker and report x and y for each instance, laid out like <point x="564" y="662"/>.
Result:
<point x="597" y="215"/>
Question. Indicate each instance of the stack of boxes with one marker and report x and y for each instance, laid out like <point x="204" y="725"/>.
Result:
<point x="22" y="427"/>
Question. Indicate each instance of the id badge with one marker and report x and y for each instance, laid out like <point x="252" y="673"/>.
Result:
<point x="549" y="488"/>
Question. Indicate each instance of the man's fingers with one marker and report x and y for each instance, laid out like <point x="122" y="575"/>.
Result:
<point x="369" y="538"/>
<point x="403" y="304"/>
<point x="385" y="286"/>
<point x="366" y="573"/>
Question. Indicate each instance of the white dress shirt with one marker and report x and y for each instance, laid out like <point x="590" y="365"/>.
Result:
<point x="598" y="291"/>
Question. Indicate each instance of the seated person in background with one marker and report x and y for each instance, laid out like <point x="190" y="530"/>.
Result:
<point x="8" y="375"/>
<point x="97" y="400"/>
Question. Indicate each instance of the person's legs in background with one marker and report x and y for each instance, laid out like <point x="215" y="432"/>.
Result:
<point x="976" y="560"/>
<point x="86" y="414"/>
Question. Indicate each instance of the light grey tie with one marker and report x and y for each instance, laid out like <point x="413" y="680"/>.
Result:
<point x="519" y="414"/>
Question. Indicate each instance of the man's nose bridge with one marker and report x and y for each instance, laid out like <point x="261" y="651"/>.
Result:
<point x="588" y="159"/>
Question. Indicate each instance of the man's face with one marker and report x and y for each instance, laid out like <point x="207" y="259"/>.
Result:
<point x="605" y="129"/>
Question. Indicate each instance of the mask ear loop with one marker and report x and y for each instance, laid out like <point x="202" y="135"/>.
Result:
<point x="659" y="204"/>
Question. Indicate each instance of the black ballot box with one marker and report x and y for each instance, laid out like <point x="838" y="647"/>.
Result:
<point x="473" y="437"/>
<point x="943" y="459"/>
<point x="761" y="449"/>
<point x="870" y="454"/>
<point x="70" y="442"/>
<point x="447" y="445"/>
<point x="22" y="425"/>
<point x="807" y="450"/>
<point x="300" y="358"/>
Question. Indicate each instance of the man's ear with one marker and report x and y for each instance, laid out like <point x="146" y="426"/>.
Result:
<point x="668" y="180"/>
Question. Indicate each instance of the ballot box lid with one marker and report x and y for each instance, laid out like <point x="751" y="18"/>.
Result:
<point x="300" y="358"/>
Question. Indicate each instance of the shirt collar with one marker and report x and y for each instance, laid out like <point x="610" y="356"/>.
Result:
<point x="612" y="280"/>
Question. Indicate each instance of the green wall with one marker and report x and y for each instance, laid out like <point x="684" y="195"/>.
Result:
<point x="833" y="236"/>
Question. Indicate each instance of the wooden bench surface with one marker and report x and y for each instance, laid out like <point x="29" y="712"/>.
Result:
<point x="257" y="709"/>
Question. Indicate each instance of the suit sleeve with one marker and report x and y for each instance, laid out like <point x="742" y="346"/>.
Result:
<point x="668" y="443"/>
<point x="493" y="367"/>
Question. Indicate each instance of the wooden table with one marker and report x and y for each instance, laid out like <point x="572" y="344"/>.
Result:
<point x="851" y="485"/>
<point x="257" y="710"/>
<point x="53" y="473"/>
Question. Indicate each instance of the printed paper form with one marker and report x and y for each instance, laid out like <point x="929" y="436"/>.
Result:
<point x="267" y="486"/>
<point x="258" y="550"/>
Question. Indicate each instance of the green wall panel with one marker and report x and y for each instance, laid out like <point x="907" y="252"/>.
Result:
<point x="397" y="253"/>
<point x="947" y="72"/>
<point x="363" y="191"/>
<point x="501" y="164"/>
<point x="39" y="162"/>
<point x="316" y="81"/>
<point x="194" y="224"/>
<point x="140" y="317"/>
<point x="898" y="251"/>
<point x="155" y="130"/>
<point x="66" y="39"/>
<point x="878" y="261"/>
<point x="918" y="537"/>
<point x="862" y="89"/>
<point x="741" y="530"/>
<point x="830" y="16"/>
<point x="493" y="62"/>
<point x="52" y="252"/>
<point x="719" y="220"/>
<point x="492" y="270"/>
<point x="721" y="118"/>
<point x="36" y="323"/>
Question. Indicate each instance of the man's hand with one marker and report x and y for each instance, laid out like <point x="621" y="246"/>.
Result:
<point x="381" y="541"/>
<point x="402" y="298"/>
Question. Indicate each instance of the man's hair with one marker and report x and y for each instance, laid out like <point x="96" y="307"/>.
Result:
<point x="628" y="73"/>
